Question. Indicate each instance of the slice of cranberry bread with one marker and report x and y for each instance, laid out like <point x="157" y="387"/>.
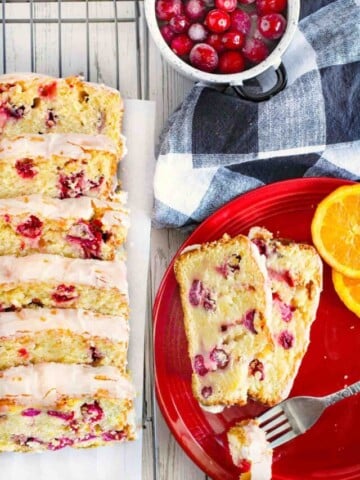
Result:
<point x="57" y="165"/>
<point x="33" y="103"/>
<point x="50" y="406"/>
<point x="62" y="335"/>
<point x="226" y="300"/>
<point x="295" y="271"/>
<point x="53" y="281"/>
<point x="250" y="451"/>
<point x="82" y="228"/>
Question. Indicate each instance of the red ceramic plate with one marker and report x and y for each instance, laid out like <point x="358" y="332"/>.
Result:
<point x="331" y="449"/>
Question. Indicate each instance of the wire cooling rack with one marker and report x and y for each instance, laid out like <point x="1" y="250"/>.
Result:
<point x="92" y="38"/>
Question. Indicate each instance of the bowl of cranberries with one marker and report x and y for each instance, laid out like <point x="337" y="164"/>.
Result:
<point x="223" y="41"/>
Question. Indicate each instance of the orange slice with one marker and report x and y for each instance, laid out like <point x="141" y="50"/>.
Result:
<point x="335" y="230"/>
<point x="348" y="290"/>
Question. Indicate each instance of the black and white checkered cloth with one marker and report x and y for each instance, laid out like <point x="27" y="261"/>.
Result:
<point x="217" y="146"/>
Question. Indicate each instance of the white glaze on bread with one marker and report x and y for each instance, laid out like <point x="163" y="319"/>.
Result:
<point x="83" y="322"/>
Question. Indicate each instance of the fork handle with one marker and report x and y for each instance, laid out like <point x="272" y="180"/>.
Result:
<point x="341" y="394"/>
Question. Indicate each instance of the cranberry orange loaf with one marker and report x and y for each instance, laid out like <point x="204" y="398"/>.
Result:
<point x="33" y="103"/>
<point x="62" y="335"/>
<point x="295" y="271"/>
<point x="226" y="300"/>
<point x="57" y="165"/>
<point x="49" y="406"/>
<point x="250" y="451"/>
<point x="53" y="281"/>
<point x="83" y="227"/>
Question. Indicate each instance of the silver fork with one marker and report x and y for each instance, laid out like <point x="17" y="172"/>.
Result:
<point x="296" y="415"/>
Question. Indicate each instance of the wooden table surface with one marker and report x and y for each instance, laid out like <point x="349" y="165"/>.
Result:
<point x="108" y="42"/>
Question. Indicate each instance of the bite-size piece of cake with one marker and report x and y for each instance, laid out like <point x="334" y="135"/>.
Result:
<point x="82" y="228"/>
<point x="49" y="406"/>
<point x="250" y="451"/>
<point x="33" y="103"/>
<point x="57" y="165"/>
<point x="62" y="335"/>
<point x="54" y="281"/>
<point x="226" y="300"/>
<point x="295" y="272"/>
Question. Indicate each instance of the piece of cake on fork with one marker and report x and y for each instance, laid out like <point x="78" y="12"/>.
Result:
<point x="226" y="300"/>
<point x="250" y="451"/>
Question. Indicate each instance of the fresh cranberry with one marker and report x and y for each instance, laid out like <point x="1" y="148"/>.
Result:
<point x="270" y="6"/>
<point x="217" y="21"/>
<point x="166" y="9"/>
<point x="66" y="416"/>
<point x="220" y="357"/>
<point x="59" y="443"/>
<point x="233" y="40"/>
<point x="167" y="33"/>
<point x="64" y="293"/>
<point x="181" y="45"/>
<point x="231" y="62"/>
<point x="199" y="365"/>
<point x="240" y="21"/>
<point x="7" y="218"/>
<point x="248" y="321"/>
<point x="113" y="435"/>
<point x="195" y="292"/>
<point x="25" y="168"/>
<point x="48" y="91"/>
<point x="179" y="24"/>
<point x="92" y="412"/>
<point x="272" y="26"/>
<point x="206" y="392"/>
<point x="88" y="235"/>
<point x="195" y="10"/>
<point x="30" y="412"/>
<point x="255" y="50"/>
<point x="197" y="32"/>
<point x="204" y="57"/>
<point x="244" y="466"/>
<point x="31" y="228"/>
<point x="71" y="186"/>
<point x="256" y="366"/>
<point x="215" y="40"/>
<point x="96" y="356"/>
<point x="286" y="339"/>
<point x="226" y="5"/>
<point x="51" y="119"/>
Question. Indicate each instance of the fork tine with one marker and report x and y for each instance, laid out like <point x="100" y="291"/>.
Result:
<point x="283" y="438"/>
<point x="269" y="414"/>
<point x="278" y="420"/>
<point x="280" y="430"/>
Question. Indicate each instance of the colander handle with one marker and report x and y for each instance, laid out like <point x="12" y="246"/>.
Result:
<point x="281" y="82"/>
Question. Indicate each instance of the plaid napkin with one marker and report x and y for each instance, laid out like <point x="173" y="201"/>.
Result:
<point x="216" y="146"/>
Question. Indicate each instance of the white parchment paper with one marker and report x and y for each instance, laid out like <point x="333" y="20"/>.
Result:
<point x="120" y="462"/>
